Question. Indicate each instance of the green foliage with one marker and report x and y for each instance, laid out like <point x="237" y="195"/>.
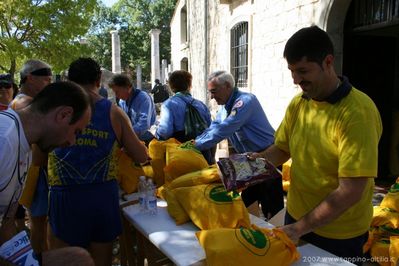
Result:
<point x="134" y="19"/>
<point x="46" y="29"/>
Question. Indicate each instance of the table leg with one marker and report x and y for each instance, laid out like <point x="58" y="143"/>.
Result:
<point x="127" y="243"/>
<point x="140" y="248"/>
<point x="127" y="240"/>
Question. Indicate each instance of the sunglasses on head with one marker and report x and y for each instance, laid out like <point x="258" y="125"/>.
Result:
<point x="5" y="85"/>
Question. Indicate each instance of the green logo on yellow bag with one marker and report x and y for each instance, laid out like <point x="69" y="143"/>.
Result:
<point x="218" y="193"/>
<point x="394" y="188"/>
<point x="253" y="240"/>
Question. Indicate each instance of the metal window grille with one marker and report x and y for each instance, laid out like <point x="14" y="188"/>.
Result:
<point x="239" y="54"/>
<point x="369" y="12"/>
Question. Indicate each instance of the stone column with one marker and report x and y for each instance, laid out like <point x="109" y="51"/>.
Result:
<point x="155" y="66"/>
<point x="164" y="71"/>
<point x="116" y="52"/>
<point x="138" y="76"/>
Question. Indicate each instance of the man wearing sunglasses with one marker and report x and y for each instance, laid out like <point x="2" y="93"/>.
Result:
<point x="6" y="91"/>
<point x="35" y="75"/>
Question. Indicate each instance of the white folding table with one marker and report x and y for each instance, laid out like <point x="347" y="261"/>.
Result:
<point x="180" y="245"/>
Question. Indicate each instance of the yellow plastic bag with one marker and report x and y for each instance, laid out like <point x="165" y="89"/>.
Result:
<point x="286" y="175"/>
<point x="391" y="199"/>
<point x="30" y="186"/>
<point x="157" y="153"/>
<point x="394" y="250"/>
<point x="204" y="176"/>
<point x="374" y="235"/>
<point x="159" y="192"/>
<point x="210" y="206"/>
<point x="148" y="172"/>
<point x="128" y="172"/>
<point x="181" y="160"/>
<point x="247" y="246"/>
<point x="174" y="208"/>
<point x="380" y="251"/>
<point x="385" y="216"/>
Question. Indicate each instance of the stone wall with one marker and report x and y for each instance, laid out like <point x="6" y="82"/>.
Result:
<point x="270" y="24"/>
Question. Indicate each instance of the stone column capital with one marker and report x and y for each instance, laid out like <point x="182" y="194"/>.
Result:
<point x="154" y="32"/>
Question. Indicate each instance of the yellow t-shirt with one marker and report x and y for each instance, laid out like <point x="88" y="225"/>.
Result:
<point x="326" y="142"/>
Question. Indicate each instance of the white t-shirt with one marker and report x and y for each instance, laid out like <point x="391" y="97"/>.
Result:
<point x="12" y="138"/>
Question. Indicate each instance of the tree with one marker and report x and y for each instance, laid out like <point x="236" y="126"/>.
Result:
<point x="46" y="29"/>
<point x="134" y="19"/>
<point x="99" y="38"/>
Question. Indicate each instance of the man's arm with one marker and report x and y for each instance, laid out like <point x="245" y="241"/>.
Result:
<point x="348" y="193"/>
<point x="275" y="155"/>
<point x="143" y="112"/>
<point x="126" y="136"/>
<point x="20" y="102"/>
<point x="221" y="129"/>
<point x="154" y="89"/>
<point x="165" y="127"/>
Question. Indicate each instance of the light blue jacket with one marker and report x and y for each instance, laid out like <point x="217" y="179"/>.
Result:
<point x="141" y="111"/>
<point x="243" y="122"/>
<point x="172" y="115"/>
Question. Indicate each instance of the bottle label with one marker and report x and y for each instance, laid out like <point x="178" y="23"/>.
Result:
<point x="152" y="204"/>
<point x="141" y="201"/>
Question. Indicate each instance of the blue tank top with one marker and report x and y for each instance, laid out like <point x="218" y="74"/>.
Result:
<point x="91" y="159"/>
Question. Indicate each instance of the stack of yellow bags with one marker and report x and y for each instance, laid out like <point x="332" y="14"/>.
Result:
<point x="383" y="242"/>
<point x="193" y="191"/>
<point x="286" y="175"/>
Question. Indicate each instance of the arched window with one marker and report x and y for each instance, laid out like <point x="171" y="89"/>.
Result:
<point x="239" y="53"/>
<point x="183" y="25"/>
<point x="184" y="64"/>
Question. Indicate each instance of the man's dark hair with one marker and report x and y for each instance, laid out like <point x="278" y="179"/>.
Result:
<point x="311" y="42"/>
<point x="84" y="71"/>
<point x="180" y="80"/>
<point x="120" y="80"/>
<point x="63" y="93"/>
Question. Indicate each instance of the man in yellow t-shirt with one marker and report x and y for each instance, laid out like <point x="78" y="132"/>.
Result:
<point x="331" y="132"/>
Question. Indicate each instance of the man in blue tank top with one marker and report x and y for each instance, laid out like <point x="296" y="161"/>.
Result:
<point x="84" y="199"/>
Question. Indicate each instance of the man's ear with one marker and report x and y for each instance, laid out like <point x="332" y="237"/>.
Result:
<point x="64" y="114"/>
<point x="329" y="60"/>
<point x="98" y="83"/>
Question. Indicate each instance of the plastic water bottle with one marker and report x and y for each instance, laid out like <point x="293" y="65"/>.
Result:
<point x="151" y="198"/>
<point x="142" y="190"/>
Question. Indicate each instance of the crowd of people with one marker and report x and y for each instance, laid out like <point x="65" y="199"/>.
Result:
<point x="64" y="137"/>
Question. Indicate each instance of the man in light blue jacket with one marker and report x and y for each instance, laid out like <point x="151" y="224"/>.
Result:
<point x="243" y="122"/>
<point x="137" y="104"/>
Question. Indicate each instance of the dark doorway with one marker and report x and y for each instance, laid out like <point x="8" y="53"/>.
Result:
<point x="370" y="62"/>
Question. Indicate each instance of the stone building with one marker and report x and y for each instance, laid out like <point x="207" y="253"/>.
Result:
<point x="247" y="37"/>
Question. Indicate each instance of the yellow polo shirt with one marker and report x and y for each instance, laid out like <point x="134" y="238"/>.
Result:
<point x="327" y="142"/>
